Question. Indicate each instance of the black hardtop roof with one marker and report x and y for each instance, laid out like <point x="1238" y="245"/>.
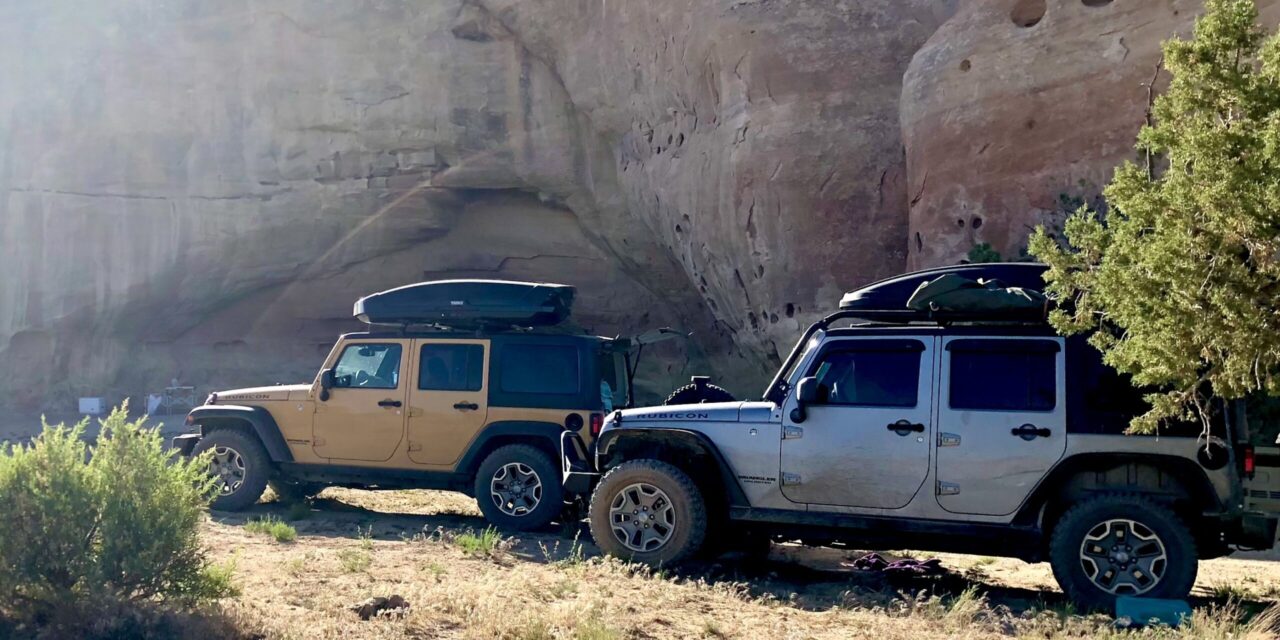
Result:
<point x="982" y="329"/>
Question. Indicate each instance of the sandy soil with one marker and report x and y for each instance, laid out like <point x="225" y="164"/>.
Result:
<point x="422" y="546"/>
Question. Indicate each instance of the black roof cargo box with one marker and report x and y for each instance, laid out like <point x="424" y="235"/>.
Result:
<point x="886" y="300"/>
<point x="460" y="303"/>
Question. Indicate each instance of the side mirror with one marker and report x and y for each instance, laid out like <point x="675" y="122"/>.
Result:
<point x="326" y="383"/>
<point x="806" y="394"/>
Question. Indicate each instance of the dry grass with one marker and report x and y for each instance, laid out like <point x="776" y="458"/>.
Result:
<point x="462" y="582"/>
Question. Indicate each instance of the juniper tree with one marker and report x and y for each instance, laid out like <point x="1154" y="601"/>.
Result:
<point x="1179" y="281"/>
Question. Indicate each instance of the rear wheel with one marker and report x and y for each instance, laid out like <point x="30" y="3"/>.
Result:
<point x="648" y="511"/>
<point x="517" y="487"/>
<point x="241" y="466"/>
<point x="1122" y="545"/>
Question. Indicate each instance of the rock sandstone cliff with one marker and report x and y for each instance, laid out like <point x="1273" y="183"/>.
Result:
<point x="199" y="190"/>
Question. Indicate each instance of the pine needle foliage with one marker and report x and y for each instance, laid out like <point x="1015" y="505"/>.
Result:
<point x="1179" y="281"/>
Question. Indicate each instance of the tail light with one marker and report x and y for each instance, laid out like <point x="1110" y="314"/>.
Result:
<point x="1247" y="459"/>
<point x="597" y="422"/>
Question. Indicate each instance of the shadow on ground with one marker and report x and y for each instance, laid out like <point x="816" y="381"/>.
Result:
<point x="810" y="578"/>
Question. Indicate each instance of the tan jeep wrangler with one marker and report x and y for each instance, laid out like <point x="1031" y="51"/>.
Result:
<point x="480" y="407"/>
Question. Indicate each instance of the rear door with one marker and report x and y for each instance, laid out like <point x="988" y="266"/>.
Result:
<point x="1002" y="420"/>
<point x="866" y="443"/>
<point x="448" y="400"/>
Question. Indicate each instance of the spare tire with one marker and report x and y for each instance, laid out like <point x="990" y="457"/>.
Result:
<point x="698" y="391"/>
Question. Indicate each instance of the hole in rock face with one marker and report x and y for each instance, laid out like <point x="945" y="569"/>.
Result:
<point x="977" y="222"/>
<point x="791" y="310"/>
<point x="965" y="65"/>
<point x="919" y="242"/>
<point x="679" y="229"/>
<point x="959" y="222"/>
<point x="1101" y="3"/>
<point x="1028" y="13"/>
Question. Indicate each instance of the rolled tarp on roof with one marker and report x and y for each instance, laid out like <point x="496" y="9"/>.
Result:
<point x="469" y="302"/>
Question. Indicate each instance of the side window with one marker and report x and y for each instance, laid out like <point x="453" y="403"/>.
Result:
<point x="527" y="368"/>
<point x="1003" y="375"/>
<point x="451" y="367"/>
<point x="873" y="374"/>
<point x="368" y="366"/>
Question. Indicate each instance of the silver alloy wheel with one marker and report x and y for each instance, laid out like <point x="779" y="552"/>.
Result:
<point x="1123" y="557"/>
<point x="516" y="489"/>
<point x="642" y="517"/>
<point x="228" y="467"/>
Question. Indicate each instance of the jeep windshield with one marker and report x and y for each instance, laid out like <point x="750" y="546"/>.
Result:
<point x="781" y="384"/>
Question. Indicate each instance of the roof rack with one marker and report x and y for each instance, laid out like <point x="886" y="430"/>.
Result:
<point x="886" y="300"/>
<point x="469" y="304"/>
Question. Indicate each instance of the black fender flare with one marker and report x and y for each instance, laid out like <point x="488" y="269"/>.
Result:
<point x="489" y="438"/>
<point x="257" y="419"/>
<point x="734" y="494"/>
<point x="1186" y="474"/>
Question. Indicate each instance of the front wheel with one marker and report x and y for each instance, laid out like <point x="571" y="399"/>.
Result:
<point x="648" y="511"/>
<point x="1122" y="545"/>
<point x="517" y="487"/>
<point x="241" y="466"/>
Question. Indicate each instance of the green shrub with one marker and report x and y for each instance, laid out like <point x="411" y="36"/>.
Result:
<point x="112" y="522"/>
<point x="485" y="544"/>
<point x="273" y="527"/>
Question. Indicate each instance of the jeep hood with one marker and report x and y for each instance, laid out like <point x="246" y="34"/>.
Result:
<point x="260" y="394"/>
<point x="706" y="412"/>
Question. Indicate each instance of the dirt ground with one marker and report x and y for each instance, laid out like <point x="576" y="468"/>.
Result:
<point x="428" y="547"/>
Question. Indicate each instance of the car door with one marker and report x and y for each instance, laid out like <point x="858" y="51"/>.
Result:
<point x="1001" y="420"/>
<point x="363" y="418"/>
<point x="866" y="441"/>
<point x="449" y="400"/>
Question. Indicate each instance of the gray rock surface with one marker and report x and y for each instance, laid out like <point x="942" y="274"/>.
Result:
<point x="200" y="190"/>
<point x="1016" y="112"/>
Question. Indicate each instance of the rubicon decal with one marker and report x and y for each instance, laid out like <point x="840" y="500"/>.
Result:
<point x="677" y="415"/>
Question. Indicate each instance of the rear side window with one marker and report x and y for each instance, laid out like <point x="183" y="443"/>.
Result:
<point x="1003" y="375"/>
<point x="871" y="375"/>
<point x="451" y="367"/>
<point x="551" y="369"/>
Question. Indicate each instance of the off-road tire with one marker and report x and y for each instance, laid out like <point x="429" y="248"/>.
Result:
<point x="550" y="501"/>
<point x="695" y="394"/>
<point x="690" y="511"/>
<point x="257" y="467"/>
<point x="1065" y="547"/>
<point x="290" y="491"/>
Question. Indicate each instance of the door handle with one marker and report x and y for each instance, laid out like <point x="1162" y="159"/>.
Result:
<point x="389" y="403"/>
<point x="1029" y="432"/>
<point x="903" y="427"/>
<point x="466" y="406"/>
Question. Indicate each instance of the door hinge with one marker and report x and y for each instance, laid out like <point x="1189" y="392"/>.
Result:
<point x="415" y="412"/>
<point x="317" y="442"/>
<point x="948" y="488"/>
<point x="948" y="440"/>
<point x="791" y="433"/>
<point x="790" y="478"/>
<point x="414" y="446"/>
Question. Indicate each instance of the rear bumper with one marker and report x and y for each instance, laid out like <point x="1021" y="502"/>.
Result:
<point x="185" y="444"/>
<point x="578" y="475"/>
<point x="1254" y="530"/>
